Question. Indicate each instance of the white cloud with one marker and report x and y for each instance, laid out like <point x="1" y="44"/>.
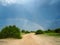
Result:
<point x="9" y="2"/>
<point x="6" y="2"/>
<point x="32" y="2"/>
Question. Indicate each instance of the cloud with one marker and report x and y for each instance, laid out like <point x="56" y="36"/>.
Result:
<point x="6" y="2"/>
<point x="34" y="10"/>
<point x="33" y="3"/>
<point x="24" y="24"/>
<point x="9" y="2"/>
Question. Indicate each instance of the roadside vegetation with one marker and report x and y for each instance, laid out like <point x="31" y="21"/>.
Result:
<point x="39" y="32"/>
<point x="25" y="32"/>
<point x="55" y="32"/>
<point x="10" y="32"/>
<point x="15" y="32"/>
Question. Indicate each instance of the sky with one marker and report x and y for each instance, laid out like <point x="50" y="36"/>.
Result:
<point x="30" y="14"/>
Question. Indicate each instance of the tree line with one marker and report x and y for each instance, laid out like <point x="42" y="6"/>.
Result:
<point x="15" y="32"/>
<point x="48" y="31"/>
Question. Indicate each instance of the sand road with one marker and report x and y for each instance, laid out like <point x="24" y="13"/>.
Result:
<point x="28" y="39"/>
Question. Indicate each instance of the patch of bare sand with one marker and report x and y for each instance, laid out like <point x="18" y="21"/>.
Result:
<point x="28" y="39"/>
<point x="51" y="39"/>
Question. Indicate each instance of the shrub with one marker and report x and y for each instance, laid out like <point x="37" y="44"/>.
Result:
<point x="27" y="32"/>
<point x="49" y="31"/>
<point x="57" y="30"/>
<point x="39" y="32"/>
<point x="10" y="32"/>
<point x="32" y="31"/>
<point x="23" y="31"/>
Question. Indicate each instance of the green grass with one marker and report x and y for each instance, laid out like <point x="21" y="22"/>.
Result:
<point x="53" y="34"/>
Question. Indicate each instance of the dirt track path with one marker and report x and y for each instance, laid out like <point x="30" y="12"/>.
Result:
<point x="29" y="39"/>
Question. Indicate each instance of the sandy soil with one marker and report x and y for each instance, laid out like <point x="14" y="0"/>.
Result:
<point x="30" y="39"/>
<point x="49" y="40"/>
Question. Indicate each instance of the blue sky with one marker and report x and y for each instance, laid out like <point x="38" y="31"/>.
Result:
<point x="30" y="14"/>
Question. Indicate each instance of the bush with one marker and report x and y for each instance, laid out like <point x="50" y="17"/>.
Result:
<point x="32" y="31"/>
<point x="57" y="30"/>
<point x="49" y="31"/>
<point x="23" y="31"/>
<point x="39" y="32"/>
<point x="27" y="32"/>
<point x="10" y="32"/>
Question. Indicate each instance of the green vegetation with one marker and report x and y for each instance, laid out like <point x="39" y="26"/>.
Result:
<point x="14" y="32"/>
<point x="49" y="31"/>
<point x="10" y="32"/>
<point x="25" y="32"/>
<point x="39" y="32"/>
<point x="32" y="31"/>
<point x="55" y="32"/>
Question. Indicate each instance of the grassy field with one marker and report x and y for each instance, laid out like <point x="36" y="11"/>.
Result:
<point x="53" y="34"/>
